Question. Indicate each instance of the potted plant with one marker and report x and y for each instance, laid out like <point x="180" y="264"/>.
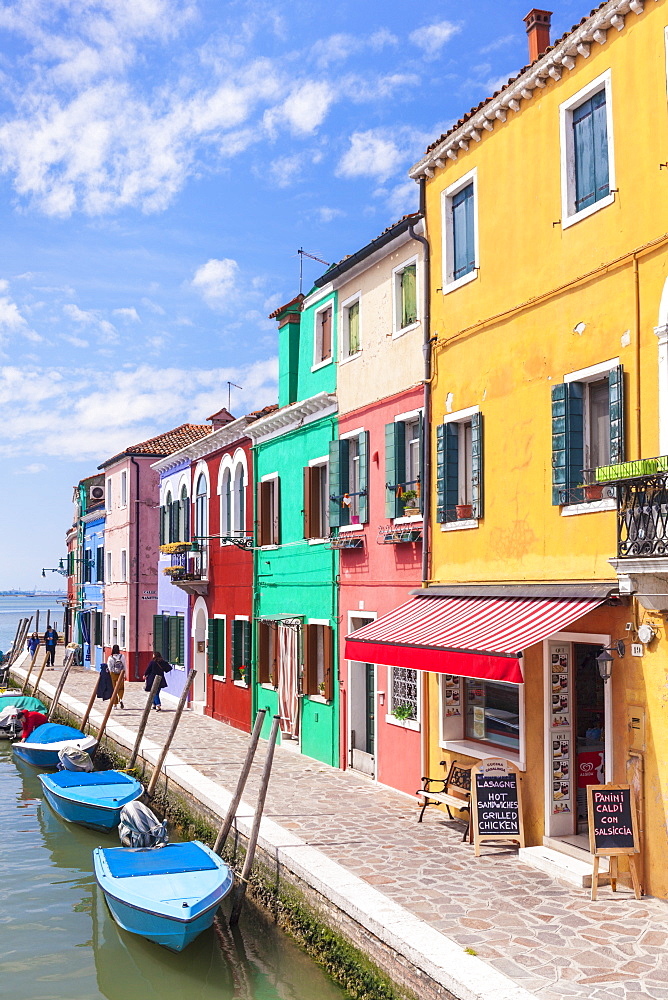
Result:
<point x="593" y="491"/>
<point x="402" y="712"/>
<point x="174" y="571"/>
<point x="321" y="689"/>
<point x="242" y="674"/>
<point x="464" y="511"/>
<point x="409" y="498"/>
<point x="170" y="548"/>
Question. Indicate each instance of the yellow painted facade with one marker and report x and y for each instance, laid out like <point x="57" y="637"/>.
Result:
<point x="548" y="300"/>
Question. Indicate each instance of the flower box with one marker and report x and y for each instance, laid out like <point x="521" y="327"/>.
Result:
<point x="171" y="548"/>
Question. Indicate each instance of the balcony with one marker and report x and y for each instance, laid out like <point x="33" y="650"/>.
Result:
<point x="398" y="534"/>
<point x="188" y="571"/>
<point x="642" y="528"/>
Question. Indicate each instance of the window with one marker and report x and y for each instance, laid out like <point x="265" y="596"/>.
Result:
<point x="88" y="565"/>
<point x="351" y="340"/>
<point x="403" y="464"/>
<point x="201" y="518"/>
<point x="99" y="637"/>
<point x="404" y="693"/>
<point x="316" y="501"/>
<point x="268" y="511"/>
<point x="108" y="629"/>
<point x="318" y="660"/>
<point x="226" y="504"/>
<point x="124" y="566"/>
<point x="241" y="650"/>
<point x="216" y="647"/>
<point x="108" y="494"/>
<point x="121" y="641"/>
<point x="460" y="232"/>
<point x="169" y="637"/>
<point x="239" y="500"/>
<point x="184" y="518"/>
<point x="114" y="632"/>
<point x="323" y="335"/>
<point x="459" y="467"/>
<point x="108" y="578"/>
<point x="124" y="489"/>
<point x="405" y="296"/>
<point x="349" y="479"/>
<point x="492" y="712"/>
<point x="587" y="428"/>
<point x="166" y="516"/>
<point x="99" y="564"/>
<point x="587" y="165"/>
<point x="267" y="659"/>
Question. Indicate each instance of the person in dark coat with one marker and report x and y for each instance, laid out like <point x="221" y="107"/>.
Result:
<point x="105" y="685"/>
<point x="33" y="643"/>
<point x="50" y="642"/>
<point x="156" y="668"/>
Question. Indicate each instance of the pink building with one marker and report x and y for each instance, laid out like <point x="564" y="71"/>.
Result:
<point x="131" y="540"/>
<point x="379" y="537"/>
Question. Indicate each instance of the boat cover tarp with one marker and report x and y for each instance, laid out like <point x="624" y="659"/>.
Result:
<point x="75" y="779"/>
<point x="125" y="862"/>
<point x="53" y="732"/>
<point x="22" y="701"/>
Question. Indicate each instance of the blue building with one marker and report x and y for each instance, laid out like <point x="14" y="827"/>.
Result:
<point x="90" y="586"/>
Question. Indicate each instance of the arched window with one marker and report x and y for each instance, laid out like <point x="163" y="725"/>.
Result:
<point x="201" y="519"/>
<point x="184" y="516"/>
<point x="167" y="518"/>
<point x="226" y="504"/>
<point x="239" y="499"/>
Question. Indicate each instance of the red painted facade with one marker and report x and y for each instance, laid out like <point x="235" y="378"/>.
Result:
<point x="375" y="580"/>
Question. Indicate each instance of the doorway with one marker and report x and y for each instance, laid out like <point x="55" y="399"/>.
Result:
<point x="199" y="656"/>
<point x="362" y="710"/>
<point x="589" y="728"/>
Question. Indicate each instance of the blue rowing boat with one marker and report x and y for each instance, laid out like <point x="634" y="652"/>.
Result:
<point x="168" y="895"/>
<point x="41" y="748"/>
<point x="92" y="799"/>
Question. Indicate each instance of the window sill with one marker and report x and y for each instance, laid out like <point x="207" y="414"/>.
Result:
<point x="411" y="519"/>
<point x="241" y="684"/>
<point x="351" y="357"/>
<point x="268" y="548"/>
<point x="405" y="329"/>
<point x="317" y="541"/>
<point x="350" y="527"/>
<point x="589" y="508"/>
<point x="218" y="677"/>
<point x="268" y="687"/>
<point x="586" y="212"/>
<point x="403" y="723"/>
<point x="479" y="751"/>
<point x="464" y="525"/>
<point x="321" y="364"/>
<point x="318" y="698"/>
<point x="452" y="286"/>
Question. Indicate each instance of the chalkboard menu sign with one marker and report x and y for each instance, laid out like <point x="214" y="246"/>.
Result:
<point x="497" y="803"/>
<point x="613" y="831"/>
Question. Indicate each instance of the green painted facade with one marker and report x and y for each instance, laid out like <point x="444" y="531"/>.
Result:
<point x="297" y="578"/>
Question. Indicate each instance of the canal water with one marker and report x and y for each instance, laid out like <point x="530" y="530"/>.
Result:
<point x="59" y="942"/>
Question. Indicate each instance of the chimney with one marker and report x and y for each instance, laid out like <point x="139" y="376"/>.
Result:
<point x="220" y="418"/>
<point x="538" y="30"/>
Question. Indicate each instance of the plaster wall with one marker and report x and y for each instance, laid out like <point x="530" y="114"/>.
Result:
<point x="172" y="600"/>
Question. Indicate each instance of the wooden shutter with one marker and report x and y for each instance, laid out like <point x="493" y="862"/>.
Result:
<point x="617" y="435"/>
<point x="309" y="511"/>
<point x="421" y="463"/>
<point x="220" y="645"/>
<point x="477" y="465"/>
<point x="181" y="644"/>
<point x="328" y="653"/>
<point x="185" y="502"/>
<point x="440" y="473"/>
<point x="338" y="483"/>
<point x="162" y="526"/>
<point x="174" y="522"/>
<point x="326" y="334"/>
<point x="395" y="467"/>
<point x="246" y="651"/>
<point x="363" y="498"/>
<point x="236" y="648"/>
<point x="275" y="485"/>
<point x="310" y="640"/>
<point x="447" y="471"/>
<point x="264" y="650"/>
<point x="567" y="442"/>
<point x="212" y="651"/>
<point x="157" y="633"/>
<point x="264" y="504"/>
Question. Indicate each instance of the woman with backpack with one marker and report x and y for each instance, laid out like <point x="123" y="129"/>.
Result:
<point x="156" y="668"/>
<point x="116" y="665"/>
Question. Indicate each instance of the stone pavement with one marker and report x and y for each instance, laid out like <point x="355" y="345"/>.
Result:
<point x="547" y="937"/>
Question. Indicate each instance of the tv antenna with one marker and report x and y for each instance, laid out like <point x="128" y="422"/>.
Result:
<point x="230" y="386"/>
<point x="302" y="253"/>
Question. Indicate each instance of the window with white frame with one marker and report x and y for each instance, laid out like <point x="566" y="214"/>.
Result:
<point x="124" y="489"/>
<point x="108" y="579"/>
<point x="108" y="494"/>
<point x="121" y="640"/>
<point x="226" y="503"/>
<point x="316" y="499"/>
<point x="239" y="499"/>
<point x="324" y="319"/>
<point x="405" y="295"/>
<point x="124" y="566"/>
<point x="403" y="464"/>
<point x="351" y="342"/>
<point x="114" y="632"/>
<point x="404" y="693"/>
<point x="268" y="511"/>
<point x="460" y="232"/>
<point x="587" y="161"/>
<point x="107" y="629"/>
<point x="459" y="467"/>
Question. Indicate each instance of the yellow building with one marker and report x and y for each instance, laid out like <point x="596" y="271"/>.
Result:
<point x="547" y="217"/>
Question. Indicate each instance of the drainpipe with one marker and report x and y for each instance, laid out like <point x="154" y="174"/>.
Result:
<point x="426" y="456"/>
<point x="136" y="511"/>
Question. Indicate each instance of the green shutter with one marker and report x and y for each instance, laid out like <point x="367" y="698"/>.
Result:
<point x="212" y="651"/>
<point x="421" y="463"/>
<point x="174" y="521"/>
<point x="162" y="526"/>
<point x="185" y="519"/>
<point x="241" y="649"/>
<point x="395" y="467"/>
<point x="338" y="483"/>
<point x="567" y="442"/>
<point x="247" y="651"/>
<point x="616" y="386"/>
<point x="157" y="633"/>
<point x="220" y="646"/>
<point x="477" y="465"/>
<point x="180" y="641"/>
<point x="440" y="473"/>
<point x="364" y="477"/>
<point x="408" y="296"/>
<point x="451" y="470"/>
<point x="173" y="638"/>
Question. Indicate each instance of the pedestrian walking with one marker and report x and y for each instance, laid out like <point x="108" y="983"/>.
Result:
<point x="50" y="642"/>
<point x="156" y="668"/>
<point x="33" y="643"/>
<point x="116" y="665"/>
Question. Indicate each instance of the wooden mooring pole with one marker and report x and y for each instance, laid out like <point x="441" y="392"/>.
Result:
<point x="240" y="886"/>
<point x="32" y="664"/>
<point x="108" y="711"/>
<point x="18" y="639"/>
<point x="170" y="736"/>
<point x="69" y="660"/>
<point x="91" y="702"/>
<point x="241" y="784"/>
<point x="144" y="719"/>
<point x="39" y="676"/>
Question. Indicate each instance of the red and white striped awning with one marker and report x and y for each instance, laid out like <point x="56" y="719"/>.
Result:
<point x="466" y="636"/>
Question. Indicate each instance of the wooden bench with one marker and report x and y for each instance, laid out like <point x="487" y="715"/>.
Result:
<point x="455" y="793"/>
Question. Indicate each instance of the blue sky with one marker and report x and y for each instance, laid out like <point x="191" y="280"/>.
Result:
<point x="161" y="161"/>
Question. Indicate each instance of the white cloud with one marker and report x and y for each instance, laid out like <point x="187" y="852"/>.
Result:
<point x="284" y="170"/>
<point x="11" y="320"/>
<point x="342" y="46"/>
<point x="216" y="281"/>
<point x="33" y="469"/>
<point x="433" y="37"/>
<point x="326" y="214"/>
<point x="303" y="110"/>
<point x="129" y="315"/>
<point x="498" y="43"/>
<point x="373" y="153"/>
<point x="153" y="306"/>
<point x="92" y="318"/>
<point x="402" y="199"/>
<point x="75" y="341"/>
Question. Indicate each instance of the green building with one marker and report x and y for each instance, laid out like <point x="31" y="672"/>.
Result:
<point x="295" y="591"/>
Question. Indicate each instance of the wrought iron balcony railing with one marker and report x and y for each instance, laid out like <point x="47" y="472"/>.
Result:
<point x="642" y="506"/>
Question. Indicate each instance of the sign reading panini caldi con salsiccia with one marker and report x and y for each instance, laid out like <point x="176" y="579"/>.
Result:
<point x="497" y="804"/>
<point x="612" y="820"/>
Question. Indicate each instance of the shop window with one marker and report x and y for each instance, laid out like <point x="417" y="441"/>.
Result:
<point x="459" y="468"/>
<point x="403" y="464"/>
<point x="267" y="659"/>
<point x="404" y="693"/>
<point x="492" y="713"/>
<point x="268" y="511"/>
<point x="318" y="660"/>
<point x="315" y="500"/>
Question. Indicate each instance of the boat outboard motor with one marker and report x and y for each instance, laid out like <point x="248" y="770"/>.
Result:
<point x="10" y="727"/>
<point x="73" y="759"/>
<point x="139" y="827"/>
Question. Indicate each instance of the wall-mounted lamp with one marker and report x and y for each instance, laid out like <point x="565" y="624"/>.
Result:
<point x="605" y="658"/>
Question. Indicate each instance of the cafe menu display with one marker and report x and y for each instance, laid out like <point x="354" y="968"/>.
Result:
<point x="497" y="803"/>
<point x="562" y="744"/>
<point x="613" y="831"/>
<point x="452" y="695"/>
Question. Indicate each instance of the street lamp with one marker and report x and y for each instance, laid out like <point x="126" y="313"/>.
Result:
<point x="605" y="658"/>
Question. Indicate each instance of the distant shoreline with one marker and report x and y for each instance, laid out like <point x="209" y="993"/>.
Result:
<point x="33" y="593"/>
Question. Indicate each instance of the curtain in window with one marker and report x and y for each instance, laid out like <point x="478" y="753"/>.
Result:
<point x="408" y="296"/>
<point x="354" y="328"/>
<point x="288" y="665"/>
<point x="590" y="147"/>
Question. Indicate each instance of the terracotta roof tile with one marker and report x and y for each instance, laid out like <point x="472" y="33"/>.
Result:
<point x="297" y="301"/>
<point x="164" y="444"/>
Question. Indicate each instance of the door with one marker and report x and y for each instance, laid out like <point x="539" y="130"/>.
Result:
<point x="589" y="727"/>
<point x="362" y="740"/>
<point x="199" y="656"/>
